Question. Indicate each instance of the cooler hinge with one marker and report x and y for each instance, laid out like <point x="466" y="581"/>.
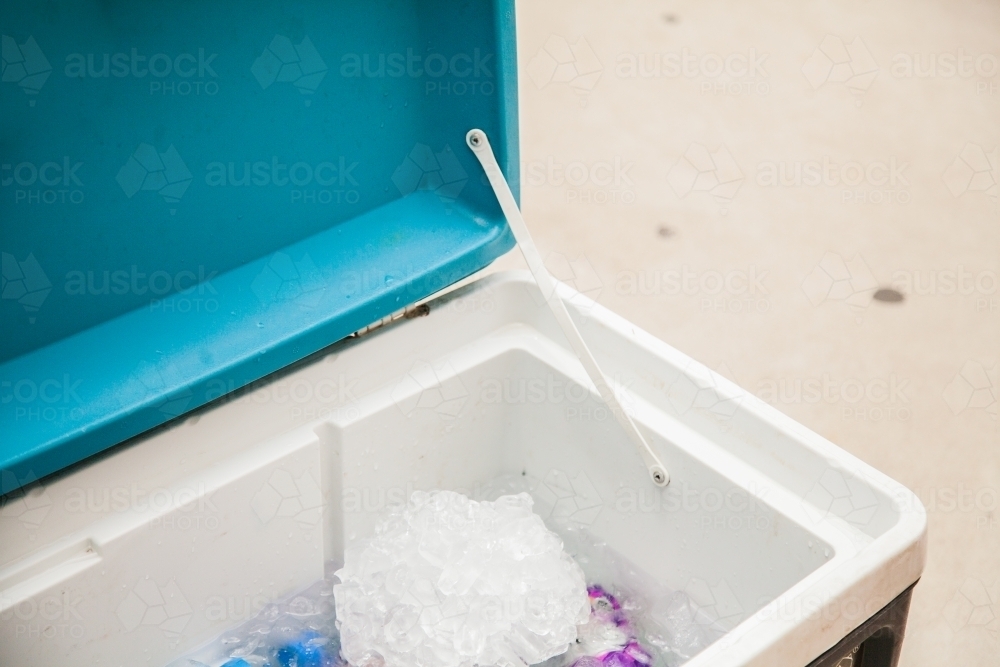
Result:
<point x="411" y="311"/>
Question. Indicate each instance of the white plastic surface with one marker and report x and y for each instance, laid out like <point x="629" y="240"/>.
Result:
<point x="163" y="544"/>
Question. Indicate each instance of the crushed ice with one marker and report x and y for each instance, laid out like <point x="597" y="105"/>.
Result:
<point x="452" y="582"/>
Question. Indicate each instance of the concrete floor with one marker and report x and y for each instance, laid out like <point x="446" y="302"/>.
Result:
<point x="897" y="188"/>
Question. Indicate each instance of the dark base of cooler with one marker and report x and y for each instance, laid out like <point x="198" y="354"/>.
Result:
<point x="876" y="642"/>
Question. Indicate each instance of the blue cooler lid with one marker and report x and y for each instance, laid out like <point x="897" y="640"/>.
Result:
<point x="195" y="195"/>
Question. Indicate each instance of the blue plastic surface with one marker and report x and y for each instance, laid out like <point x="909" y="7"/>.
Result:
<point x="195" y="195"/>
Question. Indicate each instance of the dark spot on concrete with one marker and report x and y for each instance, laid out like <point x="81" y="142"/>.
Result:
<point x="888" y="295"/>
<point x="670" y="18"/>
<point x="664" y="232"/>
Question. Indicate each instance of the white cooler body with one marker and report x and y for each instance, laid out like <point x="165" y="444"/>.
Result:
<point x="158" y="545"/>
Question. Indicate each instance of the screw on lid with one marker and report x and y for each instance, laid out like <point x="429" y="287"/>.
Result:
<point x="475" y="138"/>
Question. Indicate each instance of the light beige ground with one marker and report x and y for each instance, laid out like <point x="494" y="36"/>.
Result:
<point x="937" y="432"/>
